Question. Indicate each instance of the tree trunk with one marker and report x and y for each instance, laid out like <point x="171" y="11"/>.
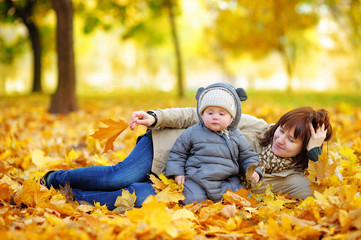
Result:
<point x="289" y="60"/>
<point x="25" y="14"/>
<point x="221" y="60"/>
<point x="64" y="100"/>
<point x="175" y="38"/>
<point x="35" y="42"/>
<point x="355" y="41"/>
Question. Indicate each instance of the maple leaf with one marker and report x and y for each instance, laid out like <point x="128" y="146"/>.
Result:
<point x="355" y="216"/>
<point x="234" y="198"/>
<point x="86" y="208"/>
<point x="167" y="189"/>
<point x="156" y="217"/>
<point x="7" y="188"/>
<point x="184" y="219"/>
<point x="40" y="160"/>
<point x="110" y="133"/>
<point x="59" y="203"/>
<point x="67" y="192"/>
<point x="125" y="202"/>
<point x="250" y="171"/>
<point x="183" y="214"/>
<point x="229" y="211"/>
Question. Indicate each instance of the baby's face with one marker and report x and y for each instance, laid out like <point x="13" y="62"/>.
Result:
<point x="216" y="118"/>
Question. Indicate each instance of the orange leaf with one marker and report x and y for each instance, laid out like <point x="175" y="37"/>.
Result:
<point x="110" y="133"/>
<point x="234" y="198"/>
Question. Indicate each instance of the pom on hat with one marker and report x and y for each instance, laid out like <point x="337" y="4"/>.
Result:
<point x="219" y="97"/>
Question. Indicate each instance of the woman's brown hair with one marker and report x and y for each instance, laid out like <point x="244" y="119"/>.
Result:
<point x="299" y="118"/>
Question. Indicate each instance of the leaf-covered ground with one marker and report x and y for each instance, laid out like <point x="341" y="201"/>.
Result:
<point x="33" y="142"/>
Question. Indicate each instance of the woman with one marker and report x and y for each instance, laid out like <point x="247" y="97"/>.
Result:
<point x="105" y="183"/>
<point x="286" y="148"/>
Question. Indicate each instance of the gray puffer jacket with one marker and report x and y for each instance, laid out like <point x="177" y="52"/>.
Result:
<point x="214" y="161"/>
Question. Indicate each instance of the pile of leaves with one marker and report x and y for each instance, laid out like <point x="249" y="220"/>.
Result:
<point x="33" y="142"/>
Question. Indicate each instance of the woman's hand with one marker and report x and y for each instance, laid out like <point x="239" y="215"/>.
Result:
<point x="141" y="118"/>
<point x="179" y="179"/>
<point x="255" y="177"/>
<point x="317" y="137"/>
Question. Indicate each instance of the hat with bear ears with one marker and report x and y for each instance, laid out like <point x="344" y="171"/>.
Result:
<point x="220" y="95"/>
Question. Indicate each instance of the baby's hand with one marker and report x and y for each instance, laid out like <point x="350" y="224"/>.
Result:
<point x="179" y="179"/>
<point x="255" y="177"/>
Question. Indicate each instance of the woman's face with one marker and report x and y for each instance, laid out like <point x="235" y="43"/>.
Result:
<point x="284" y="144"/>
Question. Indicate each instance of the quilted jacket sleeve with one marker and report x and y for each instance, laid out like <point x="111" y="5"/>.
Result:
<point x="179" y="154"/>
<point x="247" y="157"/>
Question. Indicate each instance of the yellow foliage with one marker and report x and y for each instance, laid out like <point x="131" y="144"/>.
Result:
<point x="167" y="189"/>
<point x="125" y="202"/>
<point x="33" y="142"/>
<point x="40" y="160"/>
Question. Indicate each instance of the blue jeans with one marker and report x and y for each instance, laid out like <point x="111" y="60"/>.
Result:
<point x="104" y="184"/>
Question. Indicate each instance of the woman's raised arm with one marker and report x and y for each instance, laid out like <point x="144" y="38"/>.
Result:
<point x="176" y="117"/>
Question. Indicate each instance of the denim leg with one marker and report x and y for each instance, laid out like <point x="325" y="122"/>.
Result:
<point x="135" y="168"/>
<point x="142" y="191"/>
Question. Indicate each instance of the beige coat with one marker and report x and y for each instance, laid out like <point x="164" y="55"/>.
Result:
<point x="172" y="122"/>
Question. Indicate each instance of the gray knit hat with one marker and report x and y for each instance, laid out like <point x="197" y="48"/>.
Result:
<point x="219" y="97"/>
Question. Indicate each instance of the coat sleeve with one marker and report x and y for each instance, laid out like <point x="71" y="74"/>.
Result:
<point x="176" y="117"/>
<point x="252" y="128"/>
<point x="247" y="157"/>
<point x="179" y="154"/>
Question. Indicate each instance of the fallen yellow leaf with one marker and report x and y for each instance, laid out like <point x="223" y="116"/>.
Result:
<point x="110" y="133"/>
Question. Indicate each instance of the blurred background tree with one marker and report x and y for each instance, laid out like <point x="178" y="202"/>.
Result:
<point x="141" y="20"/>
<point x="173" y="45"/>
<point x="24" y="11"/>
<point x="64" y="100"/>
<point x="261" y="27"/>
<point x="348" y="15"/>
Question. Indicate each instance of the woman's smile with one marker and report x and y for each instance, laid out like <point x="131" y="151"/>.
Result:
<point x="276" y="145"/>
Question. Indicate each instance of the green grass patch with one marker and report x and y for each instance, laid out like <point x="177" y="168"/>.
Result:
<point x="305" y="98"/>
<point x="143" y="100"/>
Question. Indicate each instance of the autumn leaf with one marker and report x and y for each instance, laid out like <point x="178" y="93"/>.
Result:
<point x="67" y="192"/>
<point x="185" y="220"/>
<point x="155" y="217"/>
<point x="229" y="210"/>
<point x="40" y="160"/>
<point x="167" y="189"/>
<point x="7" y="188"/>
<point x="125" y="202"/>
<point x="86" y="208"/>
<point x="250" y="171"/>
<point x="324" y="167"/>
<point x="110" y="133"/>
<point x="234" y="198"/>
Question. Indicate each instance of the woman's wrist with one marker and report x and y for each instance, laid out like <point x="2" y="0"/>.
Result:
<point x="313" y="153"/>
<point x="151" y="113"/>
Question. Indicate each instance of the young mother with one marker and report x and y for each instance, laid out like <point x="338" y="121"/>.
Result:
<point x="284" y="148"/>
